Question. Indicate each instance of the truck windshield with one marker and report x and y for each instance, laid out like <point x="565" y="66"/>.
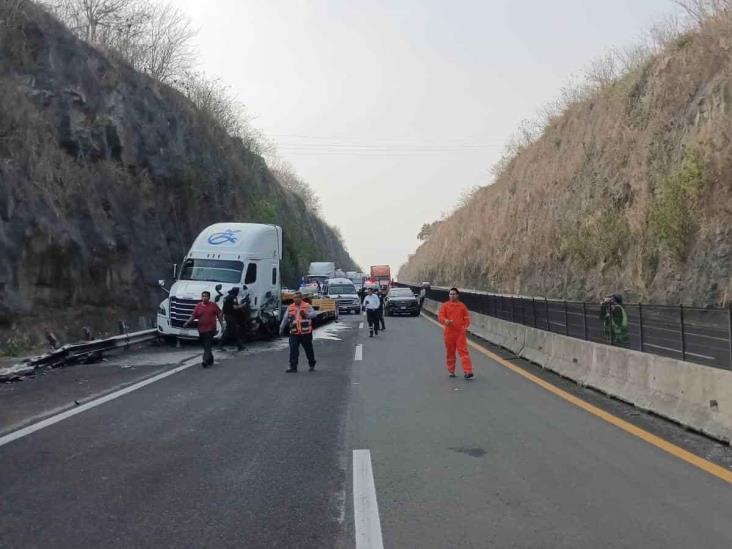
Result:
<point x="212" y="270"/>
<point x="341" y="289"/>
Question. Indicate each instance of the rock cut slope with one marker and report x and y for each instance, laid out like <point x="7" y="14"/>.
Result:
<point x="106" y="176"/>
<point x="629" y="189"/>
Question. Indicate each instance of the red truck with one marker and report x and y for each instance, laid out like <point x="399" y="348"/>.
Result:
<point x="381" y="274"/>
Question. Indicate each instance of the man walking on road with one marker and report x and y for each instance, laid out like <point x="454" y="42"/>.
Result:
<point x="299" y="318"/>
<point x="454" y="316"/>
<point x="207" y="313"/>
<point x="372" y="303"/>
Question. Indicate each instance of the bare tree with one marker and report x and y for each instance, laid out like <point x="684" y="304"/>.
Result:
<point x="88" y="17"/>
<point x="167" y="49"/>
<point x="153" y="37"/>
<point x="703" y="10"/>
<point x="286" y="176"/>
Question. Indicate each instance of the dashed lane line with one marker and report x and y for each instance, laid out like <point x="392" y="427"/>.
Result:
<point x="359" y="352"/>
<point x="365" y="506"/>
<point x="658" y="442"/>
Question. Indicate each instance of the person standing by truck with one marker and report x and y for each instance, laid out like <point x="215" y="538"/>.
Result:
<point x="455" y="318"/>
<point x="207" y="313"/>
<point x="299" y="318"/>
<point x="232" y="314"/>
<point x="372" y="303"/>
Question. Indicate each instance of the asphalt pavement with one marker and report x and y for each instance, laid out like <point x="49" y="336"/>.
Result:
<point x="244" y="455"/>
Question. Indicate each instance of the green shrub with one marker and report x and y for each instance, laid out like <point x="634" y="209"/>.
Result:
<point x="601" y="236"/>
<point x="675" y="211"/>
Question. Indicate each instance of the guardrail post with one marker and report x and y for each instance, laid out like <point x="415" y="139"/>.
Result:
<point x="566" y="319"/>
<point x="584" y="320"/>
<point x="683" y="338"/>
<point x="640" y="324"/>
<point x="546" y="308"/>
<point x="533" y="309"/>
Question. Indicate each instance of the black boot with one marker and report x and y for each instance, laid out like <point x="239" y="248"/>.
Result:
<point x="291" y="370"/>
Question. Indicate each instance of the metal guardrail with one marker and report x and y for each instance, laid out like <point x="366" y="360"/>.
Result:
<point x="77" y="352"/>
<point x="694" y="334"/>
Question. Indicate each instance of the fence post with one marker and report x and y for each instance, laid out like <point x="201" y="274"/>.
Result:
<point x="546" y="308"/>
<point x="683" y="339"/>
<point x="566" y="319"/>
<point x="533" y="309"/>
<point x="640" y="324"/>
<point x="584" y="319"/>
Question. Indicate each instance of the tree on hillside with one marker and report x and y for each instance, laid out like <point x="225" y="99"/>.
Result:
<point x="427" y="230"/>
<point x="289" y="179"/>
<point x="154" y="37"/>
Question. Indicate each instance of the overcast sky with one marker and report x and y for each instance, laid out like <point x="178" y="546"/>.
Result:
<point x="390" y="109"/>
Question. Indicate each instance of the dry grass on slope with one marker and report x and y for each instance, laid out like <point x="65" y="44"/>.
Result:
<point x="627" y="190"/>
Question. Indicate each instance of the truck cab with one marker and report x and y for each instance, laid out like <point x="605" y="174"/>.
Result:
<point x="224" y="256"/>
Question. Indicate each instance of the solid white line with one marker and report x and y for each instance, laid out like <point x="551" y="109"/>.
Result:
<point x="25" y="431"/>
<point x="365" y="507"/>
<point x="360" y="325"/>
<point x="677" y="351"/>
<point x="359" y="352"/>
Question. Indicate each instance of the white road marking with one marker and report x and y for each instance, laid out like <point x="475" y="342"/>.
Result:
<point x="360" y="325"/>
<point x="25" y="431"/>
<point x="365" y="507"/>
<point x="677" y="351"/>
<point x="359" y="352"/>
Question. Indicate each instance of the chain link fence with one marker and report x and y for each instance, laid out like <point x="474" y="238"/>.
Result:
<point x="694" y="334"/>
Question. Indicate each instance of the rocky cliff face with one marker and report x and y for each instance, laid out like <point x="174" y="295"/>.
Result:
<point x="629" y="190"/>
<point x="106" y="177"/>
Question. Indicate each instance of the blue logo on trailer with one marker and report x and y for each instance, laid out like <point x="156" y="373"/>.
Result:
<point x="228" y="236"/>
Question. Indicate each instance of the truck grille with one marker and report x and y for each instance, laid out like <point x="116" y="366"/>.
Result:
<point x="181" y="310"/>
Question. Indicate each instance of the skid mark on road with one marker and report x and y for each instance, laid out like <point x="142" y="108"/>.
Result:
<point x="365" y="506"/>
<point x="658" y="442"/>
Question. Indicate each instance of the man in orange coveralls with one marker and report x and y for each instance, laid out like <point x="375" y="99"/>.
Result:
<point x="455" y="318"/>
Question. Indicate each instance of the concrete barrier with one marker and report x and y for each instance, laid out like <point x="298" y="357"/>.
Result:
<point x="699" y="397"/>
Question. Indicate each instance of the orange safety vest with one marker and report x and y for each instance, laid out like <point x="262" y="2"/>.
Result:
<point x="298" y="324"/>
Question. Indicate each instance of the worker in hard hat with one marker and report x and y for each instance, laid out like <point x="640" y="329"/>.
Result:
<point x="455" y="319"/>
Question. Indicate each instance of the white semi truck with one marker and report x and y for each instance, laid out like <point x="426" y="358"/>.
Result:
<point x="224" y="256"/>
<point x="319" y="273"/>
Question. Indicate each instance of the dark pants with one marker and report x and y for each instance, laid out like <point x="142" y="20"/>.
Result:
<point x="307" y="343"/>
<point x="381" y="318"/>
<point x="372" y="317"/>
<point x="231" y="333"/>
<point x="207" y="341"/>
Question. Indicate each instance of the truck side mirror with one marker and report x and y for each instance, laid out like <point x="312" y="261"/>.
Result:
<point x="161" y="283"/>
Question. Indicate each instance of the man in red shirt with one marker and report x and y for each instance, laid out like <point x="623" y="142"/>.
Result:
<point x="207" y="313"/>
<point x="454" y="316"/>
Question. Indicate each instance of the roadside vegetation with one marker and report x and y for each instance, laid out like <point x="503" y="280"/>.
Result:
<point x="619" y="183"/>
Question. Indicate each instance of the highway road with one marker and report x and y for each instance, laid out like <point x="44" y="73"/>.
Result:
<point x="377" y="446"/>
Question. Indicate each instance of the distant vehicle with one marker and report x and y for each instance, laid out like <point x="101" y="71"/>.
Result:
<point x="319" y="273"/>
<point x="401" y="301"/>
<point x="357" y="278"/>
<point x="381" y="274"/>
<point x="224" y="256"/>
<point x="345" y="294"/>
<point x="339" y="273"/>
